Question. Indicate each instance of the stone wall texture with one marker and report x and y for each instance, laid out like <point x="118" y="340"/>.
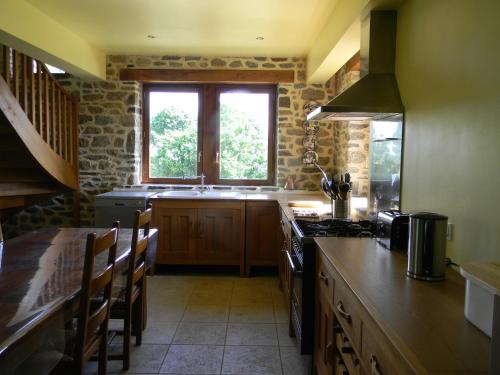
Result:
<point x="293" y="101"/>
<point x="351" y="139"/>
<point x="111" y="132"/>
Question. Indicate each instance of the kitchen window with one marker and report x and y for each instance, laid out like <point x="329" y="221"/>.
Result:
<point x="226" y="132"/>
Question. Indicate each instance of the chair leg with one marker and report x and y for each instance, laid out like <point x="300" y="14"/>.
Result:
<point x="103" y="355"/>
<point x="144" y="299"/>
<point x="138" y="320"/>
<point x="127" y="331"/>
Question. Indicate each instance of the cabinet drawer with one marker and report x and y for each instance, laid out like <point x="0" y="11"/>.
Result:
<point x="340" y="368"/>
<point x="348" y="310"/>
<point x="285" y="224"/>
<point x="349" y="357"/>
<point x="325" y="279"/>
<point x="378" y="355"/>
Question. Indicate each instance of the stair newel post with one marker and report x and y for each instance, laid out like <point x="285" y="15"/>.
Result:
<point x="59" y="124"/>
<point x="47" y="106"/>
<point x="68" y="127"/>
<point x="15" y="75"/>
<point x="31" y="70"/>
<point x="64" y="120"/>
<point x="69" y="156"/>
<point x="74" y="136"/>
<point x="40" y="98"/>
<point x="24" y="83"/>
<point x="6" y="53"/>
<point x="76" y="164"/>
<point x="54" y="116"/>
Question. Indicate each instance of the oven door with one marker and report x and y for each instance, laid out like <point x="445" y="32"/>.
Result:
<point x="295" y="269"/>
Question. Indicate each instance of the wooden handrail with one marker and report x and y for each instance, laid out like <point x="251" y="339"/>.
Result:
<point x="52" y="110"/>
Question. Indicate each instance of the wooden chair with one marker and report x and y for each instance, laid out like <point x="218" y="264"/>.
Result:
<point x="95" y="305"/>
<point x="130" y="306"/>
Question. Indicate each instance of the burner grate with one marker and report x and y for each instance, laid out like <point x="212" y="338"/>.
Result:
<point x="336" y="228"/>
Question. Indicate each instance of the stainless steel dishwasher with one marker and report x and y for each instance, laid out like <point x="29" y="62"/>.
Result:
<point x="119" y="205"/>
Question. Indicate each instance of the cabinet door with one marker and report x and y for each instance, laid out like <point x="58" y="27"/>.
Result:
<point x="220" y="236"/>
<point x="176" y="235"/>
<point x="323" y="345"/>
<point x="262" y="233"/>
<point x="284" y="246"/>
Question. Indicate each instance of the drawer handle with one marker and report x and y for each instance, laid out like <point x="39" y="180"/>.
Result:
<point x="322" y="276"/>
<point x="374" y="366"/>
<point x="342" y="312"/>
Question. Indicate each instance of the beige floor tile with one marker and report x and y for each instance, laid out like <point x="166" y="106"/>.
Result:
<point x="165" y="314"/>
<point x="247" y="295"/>
<point x="251" y="360"/>
<point x="200" y="333"/>
<point x="193" y="359"/>
<point x="168" y="299"/>
<point x="254" y="281"/>
<point x="252" y="313"/>
<point x="294" y="363"/>
<point x="210" y="297"/>
<point x="284" y="338"/>
<point x="144" y="359"/>
<point x="159" y="332"/>
<point x="282" y="315"/>
<point x="206" y="313"/>
<point x="251" y="334"/>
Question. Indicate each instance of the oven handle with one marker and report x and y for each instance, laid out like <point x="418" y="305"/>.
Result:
<point x="292" y="264"/>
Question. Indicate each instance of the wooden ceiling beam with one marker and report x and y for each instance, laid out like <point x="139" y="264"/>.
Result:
<point x="207" y="76"/>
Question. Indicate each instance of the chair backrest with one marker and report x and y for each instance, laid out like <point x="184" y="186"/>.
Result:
<point x="95" y="299"/>
<point x="137" y="262"/>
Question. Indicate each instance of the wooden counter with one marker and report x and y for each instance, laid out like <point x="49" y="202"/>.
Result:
<point x="424" y="321"/>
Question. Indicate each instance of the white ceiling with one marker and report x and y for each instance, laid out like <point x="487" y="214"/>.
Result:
<point x="204" y="27"/>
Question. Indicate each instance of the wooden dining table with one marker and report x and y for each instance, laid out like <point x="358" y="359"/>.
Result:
<point x="40" y="281"/>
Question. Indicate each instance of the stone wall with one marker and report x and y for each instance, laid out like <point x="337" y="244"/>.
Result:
<point x="292" y="102"/>
<point x="351" y="139"/>
<point x="111" y="132"/>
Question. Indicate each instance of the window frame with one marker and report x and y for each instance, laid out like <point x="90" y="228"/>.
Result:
<point x="209" y="131"/>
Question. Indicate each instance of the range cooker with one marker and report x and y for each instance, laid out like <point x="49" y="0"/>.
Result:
<point x="302" y="262"/>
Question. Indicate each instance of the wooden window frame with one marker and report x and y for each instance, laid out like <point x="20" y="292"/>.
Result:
<point x="209" y="132"/>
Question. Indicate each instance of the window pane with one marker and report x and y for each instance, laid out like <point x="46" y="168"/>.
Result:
<point x="244" y="126"/>
<point x="173" y="145"/>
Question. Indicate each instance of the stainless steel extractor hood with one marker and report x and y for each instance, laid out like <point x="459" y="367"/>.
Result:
<point x="376" y="94"/>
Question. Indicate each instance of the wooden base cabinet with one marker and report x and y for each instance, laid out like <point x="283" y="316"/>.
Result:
<point x="262" y="233"/>
<point x="284" y="245"/>
<point x="200" y="232"/>
<point x="347" y="340"/>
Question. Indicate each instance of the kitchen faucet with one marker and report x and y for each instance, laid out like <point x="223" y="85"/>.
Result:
<point x="202" y="187"/>
<point x="202" y="176"/>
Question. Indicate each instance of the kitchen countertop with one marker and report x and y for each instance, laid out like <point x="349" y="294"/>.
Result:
<point x="281" y="197"/>
<point x="424" y="320"/>
<point x="323" y="205"/>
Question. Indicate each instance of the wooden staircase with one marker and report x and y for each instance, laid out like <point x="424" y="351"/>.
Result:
<point x="38" y="132"/>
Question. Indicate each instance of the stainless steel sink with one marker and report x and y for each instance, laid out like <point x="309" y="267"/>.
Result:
<point x="220" y="194"/>
<point x="198" y="194"/>
<point x="180" y="193"/>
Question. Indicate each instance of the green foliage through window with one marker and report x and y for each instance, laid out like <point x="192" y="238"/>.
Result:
<point x="174" y="144"/>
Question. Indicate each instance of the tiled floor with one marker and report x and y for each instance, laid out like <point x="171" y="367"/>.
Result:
<point x="215" y="325"/>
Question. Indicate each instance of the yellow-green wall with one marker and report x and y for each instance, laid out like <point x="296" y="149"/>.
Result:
<point x="36" y="34"/>
<point x="448" y="70"/>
